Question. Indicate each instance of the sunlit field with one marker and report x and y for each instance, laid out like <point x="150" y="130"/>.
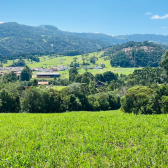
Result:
<point x="50" y="62"/>
<point x="83" y="139"/>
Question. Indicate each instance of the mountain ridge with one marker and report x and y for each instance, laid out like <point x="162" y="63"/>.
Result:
<point x="17" y="38"/>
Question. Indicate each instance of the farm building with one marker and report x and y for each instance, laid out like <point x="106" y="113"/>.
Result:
<point x="43" y="83"/>
<point x="48" y="75"/>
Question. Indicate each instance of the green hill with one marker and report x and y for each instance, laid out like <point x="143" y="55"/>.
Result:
<point x="135" y="54"/>
<point x="16" y="38"/>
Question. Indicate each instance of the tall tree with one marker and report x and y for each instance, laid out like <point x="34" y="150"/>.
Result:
<point x="164" y="62"/>
<point x="72" y="74"/>
<point x="26" y="74"/>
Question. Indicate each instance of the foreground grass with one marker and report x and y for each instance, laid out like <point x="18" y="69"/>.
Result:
<point x="83" y="139"/>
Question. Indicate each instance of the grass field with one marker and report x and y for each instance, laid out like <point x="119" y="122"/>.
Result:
<point x="59" y="87"/>
<point x="83" y="139"/>
<point x="49" y="62"/>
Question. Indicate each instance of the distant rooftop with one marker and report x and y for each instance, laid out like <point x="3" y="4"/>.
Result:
<point x="48" y="74"/>
<point x="42" y="83"/>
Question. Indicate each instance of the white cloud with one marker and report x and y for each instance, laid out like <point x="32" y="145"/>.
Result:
<point x="148" y="13"/>
<point x="1" y="22"/>
<point x="159" y="17"/>
<point x="164" y="27"/>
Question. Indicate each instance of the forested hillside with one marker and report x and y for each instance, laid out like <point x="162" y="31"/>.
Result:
<point x="135" y="54"/>
<point x="120" y="39"/>
<point x="16" y="38"/>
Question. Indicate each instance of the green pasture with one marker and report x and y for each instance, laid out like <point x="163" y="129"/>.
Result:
<point x="83" y="139"/>
<point x="65" y="74"/>
<point x="50" y="62"/>
<point x="53" y="87"/>
<point x="58" y="87"/>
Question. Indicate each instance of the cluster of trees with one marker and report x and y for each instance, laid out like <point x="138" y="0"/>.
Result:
<point x="145" y="100"/>
<point x="19" y="63"/>
<point x="93" y="59"/>
<point x="142" y="92"/>
<point x="149" y="94"/>
<point x="73" y="53"/>
<point x="135" y="54"/>
<point x="14" y="98"/>
<point x="88" y="77"/>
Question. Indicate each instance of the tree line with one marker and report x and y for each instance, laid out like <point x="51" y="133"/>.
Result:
<point x="145" y="91"/>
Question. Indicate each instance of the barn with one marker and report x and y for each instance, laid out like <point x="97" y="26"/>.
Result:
<point x="48" y="75"/>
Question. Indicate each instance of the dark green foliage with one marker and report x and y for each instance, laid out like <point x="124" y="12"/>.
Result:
<point x="93" y="59"/>
<point x="74" y="103"/>
<point x="146" y="76"/>
<point x="99" y="77"/>
<point x="9" y="101"/>
<point x="164" y="62"/>
<point x="35" y="100"/>
<point x="109" y="76"/>
<point x="9" y="77"/>
<point x="84" y="78"/>
<point x="26" y="74"/>
<point x="136" y="100"/>
<point x="35" y="82"/>
<point x="106" y="77"/>
<point x="20" y="63"/>
<point x="73" y="53"/>
<point x="32" y="101"/>
<point x="144" y="100"/>
<point x="120" y="59"/>
<point x="104" y="101"/>
<point x="78" y="89"/>
<point x="136" y="54"/>
<point x="51" y="101"/>
<point x="103" y="65"/>
<point x="72" y="74"/>
<point x="16" y="38"/>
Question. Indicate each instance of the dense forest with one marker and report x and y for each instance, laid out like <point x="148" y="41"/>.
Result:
<point x="16" y="38"/>
<point x="135" y="54"/>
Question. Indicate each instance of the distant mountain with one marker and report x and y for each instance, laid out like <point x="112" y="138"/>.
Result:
<point x="160" y="39"/>
<point x="102" y="37"/>
<point x="135" y="54"/>
<point x="16" y="38"/>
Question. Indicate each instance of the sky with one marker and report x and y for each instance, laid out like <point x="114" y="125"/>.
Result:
<point x="113" y="17"/>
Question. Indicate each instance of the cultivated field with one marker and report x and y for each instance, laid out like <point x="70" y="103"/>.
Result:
<point x="83" y="139"/>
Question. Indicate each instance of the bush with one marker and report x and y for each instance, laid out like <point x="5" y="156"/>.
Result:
<point x="136" y="100"/>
